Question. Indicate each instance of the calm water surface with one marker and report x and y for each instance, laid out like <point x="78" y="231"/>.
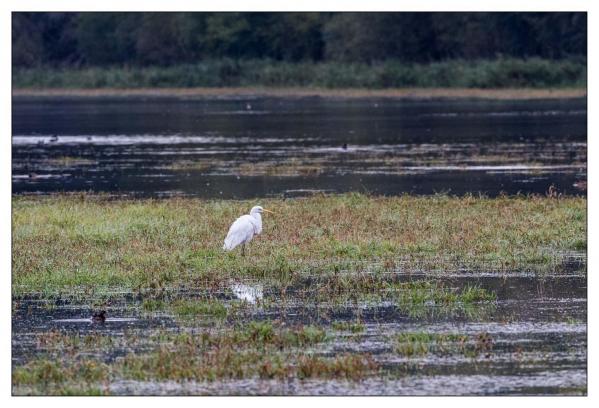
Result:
<point x="256" y="147"/>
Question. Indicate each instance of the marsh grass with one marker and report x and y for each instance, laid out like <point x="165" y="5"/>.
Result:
<point x="422" y="343"/>
<point x="69" y="161"/>
<point x="194" y="308"/>
<point x="352" y="327"/>
<point x="415" y="344"/>
<point x="292" y="167"/>
<point x="427" y="292"/>
<point x="397" y="162"/>
<point x="56" y="340"/>
<point x="252" y="334"/>
<point x="412" y="296"/>
<point x="496" y="73"/>
<point x="198" y="165"/>
<point x="256" y="349"/>
<point x="153" y="305"/>
<point x="44" y="371"/>
<point x="227" y="363"/>
<point x="89" y="243"/>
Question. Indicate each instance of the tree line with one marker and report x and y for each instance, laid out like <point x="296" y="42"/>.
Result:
<point x="166" y="39"/>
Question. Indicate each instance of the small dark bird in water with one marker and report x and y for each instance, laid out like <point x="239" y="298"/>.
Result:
<point x="99" y="317"/>
<point x="54" y="138"/>
<point x="344" y="147"/>
<point x="581" y="185"/>
<point x="484" y="344"/>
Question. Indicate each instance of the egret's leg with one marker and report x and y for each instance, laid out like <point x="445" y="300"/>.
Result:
<point x="242" y="249"/>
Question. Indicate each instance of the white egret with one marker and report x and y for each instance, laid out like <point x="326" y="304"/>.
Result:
<point x="244" y="228"/>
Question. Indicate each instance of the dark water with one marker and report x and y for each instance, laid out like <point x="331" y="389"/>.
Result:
<point x="537" y="325"/>
<point x="241" y="148"/>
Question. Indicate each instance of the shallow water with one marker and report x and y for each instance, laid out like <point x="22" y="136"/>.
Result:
<point x="537" y="326"/>
<point x="256" y="147"/>
<point x="286" y="147"/>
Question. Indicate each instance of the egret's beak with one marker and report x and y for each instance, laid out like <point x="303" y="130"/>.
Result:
<point x="268" y="211"/>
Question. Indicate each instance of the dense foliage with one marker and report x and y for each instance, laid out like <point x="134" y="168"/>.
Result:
<point x="499" y="73"/>
<point x="134" y="39"/>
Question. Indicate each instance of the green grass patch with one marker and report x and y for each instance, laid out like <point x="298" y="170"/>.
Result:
<point x="353" y="327"/>
<point x="192" y="308"/>
<point x="56" y="340"/>
<point x="52" y="372"/>
<point x="85" y="243"/>
<point x="257" y="335"/>
<point x="421" y="293"/>
<point x="256" y="349"/>
<point x="414" y="344"/>
<point x="421" y="343"/>
<point x="153" y="305"/>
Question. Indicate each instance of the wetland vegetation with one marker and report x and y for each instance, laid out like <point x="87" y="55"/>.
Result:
<point x="347" y="266"/>
<point x="91" y="242"/>
<point x="342" y="294"/>
<point x="500" y="73"/>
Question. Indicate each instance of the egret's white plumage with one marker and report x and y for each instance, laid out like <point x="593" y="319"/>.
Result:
<point x="244" y="228"/>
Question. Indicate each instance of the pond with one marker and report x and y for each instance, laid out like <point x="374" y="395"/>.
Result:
<point x="238" y="148"/>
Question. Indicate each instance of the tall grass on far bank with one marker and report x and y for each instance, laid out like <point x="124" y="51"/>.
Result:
<point x="499" y="73"/>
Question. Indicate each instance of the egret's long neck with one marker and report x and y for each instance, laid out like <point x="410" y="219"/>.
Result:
<point x="257" y="216"/>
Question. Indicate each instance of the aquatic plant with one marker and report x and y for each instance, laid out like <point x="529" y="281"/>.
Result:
<point x="193" y="308"/>
<point x="353" y="327"/>
<point x="421" y="343"/>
